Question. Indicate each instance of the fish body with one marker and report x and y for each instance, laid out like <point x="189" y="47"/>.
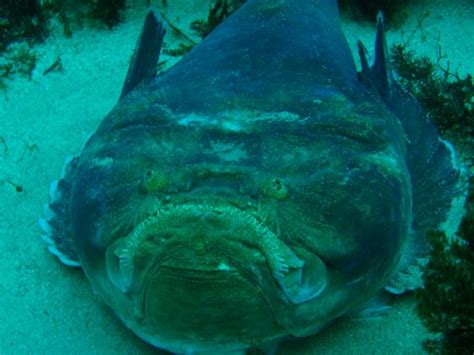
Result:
<point x="259" y="188"/>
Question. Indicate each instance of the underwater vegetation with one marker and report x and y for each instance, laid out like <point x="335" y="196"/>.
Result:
<point x="446" y="95"/>
<point x="393" y="10"/>
<point x="21" y="19"/>
<point x="28" y="19"/>
<point x="73" y="12"/>
<point x="107" y="11"/>
<point x="446" y="302"/>
<point x="19" y="59"/>
<point x="218" y="12"/>
<point x="24" y="22"/>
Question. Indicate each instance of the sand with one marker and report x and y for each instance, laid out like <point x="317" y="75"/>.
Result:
<point x="46" y="308"/>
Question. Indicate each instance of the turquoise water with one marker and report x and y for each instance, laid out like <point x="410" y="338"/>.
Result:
<point x="48" y="308"/>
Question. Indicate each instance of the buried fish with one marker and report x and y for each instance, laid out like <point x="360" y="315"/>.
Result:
<point x="258" y="189"/>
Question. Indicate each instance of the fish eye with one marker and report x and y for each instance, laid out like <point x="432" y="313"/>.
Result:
<point x="277" y="184"/>
<point x="154" y="181"/>
<point x="275" y="188"/>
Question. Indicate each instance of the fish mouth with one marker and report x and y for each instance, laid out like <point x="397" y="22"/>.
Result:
<point x="203" y="310"/>
<point x="208" y="241"/>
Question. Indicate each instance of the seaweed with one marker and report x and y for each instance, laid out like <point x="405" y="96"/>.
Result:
<point x="21" y="20"/>
<point x="106" y="11"/>
<point x="445" y="303"/>
<point x="19" y="59"/>
<point x="218" y="12"/>
<point x="72" y="13"/>
<point x="182" y="49"/>
<point x="393" y="10"/>
<point x="446" y="95"/>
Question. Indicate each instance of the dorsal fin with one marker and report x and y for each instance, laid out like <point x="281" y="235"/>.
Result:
<point x="382" y="57"/>
<point x="363" y="58"/>
<point x="146" y="54"/>
<point x="436" y="176"/>
<point x="379" y="73"/>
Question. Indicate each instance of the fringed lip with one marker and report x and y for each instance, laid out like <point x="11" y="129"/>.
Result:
<point x="183" y="225"/>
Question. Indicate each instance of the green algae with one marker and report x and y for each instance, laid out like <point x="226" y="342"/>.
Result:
<point x="445" y="303"/>
<point x="445" y="94"/>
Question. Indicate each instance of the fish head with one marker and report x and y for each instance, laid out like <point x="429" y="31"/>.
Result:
<point x="217" y="230"/>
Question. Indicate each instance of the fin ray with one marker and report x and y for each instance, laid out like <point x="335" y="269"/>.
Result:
<point x="146" y="55"/>
<point x="436" y="177"/>
<point x="56" y="224"/>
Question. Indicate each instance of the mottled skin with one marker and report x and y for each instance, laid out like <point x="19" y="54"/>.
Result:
<point x="256" y="189"/>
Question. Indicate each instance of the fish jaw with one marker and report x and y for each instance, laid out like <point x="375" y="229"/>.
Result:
<point x="179" y="276"/>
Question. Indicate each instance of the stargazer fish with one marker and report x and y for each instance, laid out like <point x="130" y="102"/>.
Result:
<point x="256" y="190"/>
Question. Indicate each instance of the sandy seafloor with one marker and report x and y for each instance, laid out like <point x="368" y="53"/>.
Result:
<point x="46" y="308"/>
